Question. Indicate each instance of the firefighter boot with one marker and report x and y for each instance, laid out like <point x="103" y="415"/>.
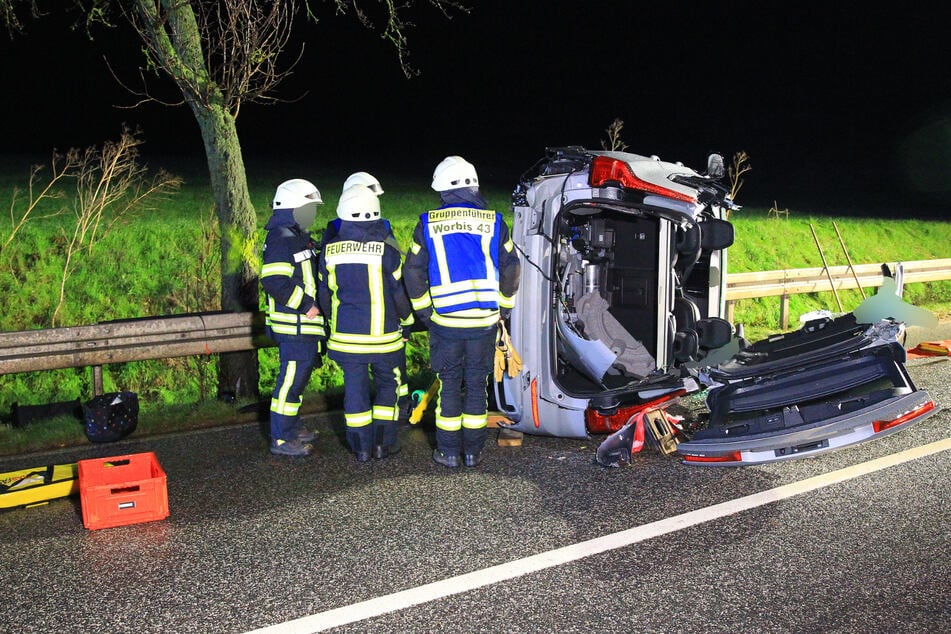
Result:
<point x="446" y="460"/>
<point x="473" y="442"/>
<point x="384" y="439"/>
<point x="360" y="443"/>
<point x="447" y="448"/>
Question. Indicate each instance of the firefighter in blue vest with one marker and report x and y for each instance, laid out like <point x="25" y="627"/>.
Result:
<point x="294" y="321"/>
<point x="368" y="313"/>
<point x="461" y="273"/>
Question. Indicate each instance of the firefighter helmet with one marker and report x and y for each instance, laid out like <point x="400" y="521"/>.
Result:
<point x="295" y="193"/>
<point x="363" y="178"/>
<point x="359" y="204"/>
<point x="301" y="197"/>
<point x="454" y="172"/>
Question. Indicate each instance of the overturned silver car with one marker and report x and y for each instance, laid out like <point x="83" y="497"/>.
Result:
<point x="620" y="312"/>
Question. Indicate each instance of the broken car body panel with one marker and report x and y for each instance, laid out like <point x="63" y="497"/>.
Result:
<point x="832" y="384"/>
<point x="620" y="309"/>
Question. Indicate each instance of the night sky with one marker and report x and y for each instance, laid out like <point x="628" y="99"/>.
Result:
<point x="838" y="108"/>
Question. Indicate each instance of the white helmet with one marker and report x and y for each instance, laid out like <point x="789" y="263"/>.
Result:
<point x="296" y="193"/>
<point x="301" y="197"/>
<point x="454" y="172"/>
<point x="363" y="178"/>
<point x="359" y="204"/>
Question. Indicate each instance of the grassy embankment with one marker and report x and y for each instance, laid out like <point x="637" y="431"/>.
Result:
<point x="165" y="261"/>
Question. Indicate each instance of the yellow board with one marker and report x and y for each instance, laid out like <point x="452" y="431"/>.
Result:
<point x="32" y="487"/>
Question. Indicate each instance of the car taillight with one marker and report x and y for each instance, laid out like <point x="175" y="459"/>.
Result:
<point x="599" y="423"/>
<point x="882" y="425"/>
<point x="606" y="170"/>
<point x="733" y="456"/>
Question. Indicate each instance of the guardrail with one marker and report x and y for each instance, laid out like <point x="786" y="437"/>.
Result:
<point x="130" y="340"/>
<point x="214" y="333"/>
<point x="818" y="280"/>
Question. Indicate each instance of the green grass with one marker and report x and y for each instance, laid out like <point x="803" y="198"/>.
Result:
<point x="165" y="261"/>
<point x="766" y="243"/>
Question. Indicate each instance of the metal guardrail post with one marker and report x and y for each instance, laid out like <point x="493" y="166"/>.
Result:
<point x="97" y="388"/>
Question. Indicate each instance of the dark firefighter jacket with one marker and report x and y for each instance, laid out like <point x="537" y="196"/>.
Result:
<point x="361" y="289"/>
<point x="288" y="277"/>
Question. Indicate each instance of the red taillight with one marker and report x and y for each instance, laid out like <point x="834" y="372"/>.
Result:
<point x="730" y="457"/>
<point x="608" y="170"/>
<point x="882" y="425"/>
<point x="598" y="423"/>
<point x="535" y="403"/>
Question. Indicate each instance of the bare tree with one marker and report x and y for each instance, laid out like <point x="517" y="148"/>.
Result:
<point x="21" y="211"/>
<point x="110" y="183"/>
<point x="614" y="141"/>
<point x="392" y="23"/>
<point x="221" y="54"/>
<point x="741" y="165"/>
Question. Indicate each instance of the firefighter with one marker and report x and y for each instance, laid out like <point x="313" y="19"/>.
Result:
<point x="294" y="320"/>
<point x="361" y="292"/>
<point x="461" y="273"/>
<point x="405" y="405"/>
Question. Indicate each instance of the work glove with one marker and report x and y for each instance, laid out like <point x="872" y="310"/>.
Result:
<point x="498" y="365"/>
<point x="507" y="360"/>
<point x="406" y="331"/>
<point x="321" y="347"/>
<point x="513" y="361"/>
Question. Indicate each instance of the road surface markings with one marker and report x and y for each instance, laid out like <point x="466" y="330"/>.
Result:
<point x="503" y="572"/>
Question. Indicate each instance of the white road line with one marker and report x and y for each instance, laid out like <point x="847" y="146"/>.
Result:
<point x="470" y="581"/>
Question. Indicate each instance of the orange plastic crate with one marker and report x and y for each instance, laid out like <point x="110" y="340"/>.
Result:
<point x="122" y="490"/>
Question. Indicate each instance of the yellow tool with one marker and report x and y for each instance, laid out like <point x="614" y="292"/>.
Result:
<point x="422" y="401"/>
<point x="663" y="432"/>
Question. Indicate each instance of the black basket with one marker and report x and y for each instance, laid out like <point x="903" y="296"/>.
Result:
<point x="112" y="416"/>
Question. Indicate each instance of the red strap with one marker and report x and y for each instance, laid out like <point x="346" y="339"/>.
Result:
<point x="638" y="433"/>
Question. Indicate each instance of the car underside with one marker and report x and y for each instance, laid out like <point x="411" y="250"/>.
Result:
<point x="620" y="312"/>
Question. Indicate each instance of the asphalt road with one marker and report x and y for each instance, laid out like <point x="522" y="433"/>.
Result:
<point x="539" y="538"/>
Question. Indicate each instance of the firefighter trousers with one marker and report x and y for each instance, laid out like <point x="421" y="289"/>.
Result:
<point x="299" y="356"/>
<point x="371" y="390"/>
<point x="462" y="359"/>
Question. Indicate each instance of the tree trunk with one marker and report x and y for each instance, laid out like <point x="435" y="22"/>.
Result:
<point x="237" y="371"/>
<point x="171" y="31"/>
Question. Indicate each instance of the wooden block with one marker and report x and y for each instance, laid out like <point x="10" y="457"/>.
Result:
<point x="494" y="418"/>
<point x="509" y="438"/>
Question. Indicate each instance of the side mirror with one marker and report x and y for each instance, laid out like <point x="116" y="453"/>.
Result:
<point x="716" y="168"/>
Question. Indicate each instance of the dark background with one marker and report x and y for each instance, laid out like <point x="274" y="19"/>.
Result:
<point x="840" y="108"/>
